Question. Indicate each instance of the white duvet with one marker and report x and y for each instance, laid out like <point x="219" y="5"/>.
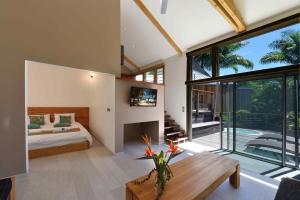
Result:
<point x="59" y="139"/>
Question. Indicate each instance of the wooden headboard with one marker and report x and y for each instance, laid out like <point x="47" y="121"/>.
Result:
<point x="81" y="113"/>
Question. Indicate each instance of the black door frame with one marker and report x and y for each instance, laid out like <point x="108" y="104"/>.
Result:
<point x="284" y="114"/>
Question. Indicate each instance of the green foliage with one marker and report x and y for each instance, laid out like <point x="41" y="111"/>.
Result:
<point x="204" y="60"/>
<point x="242" y="111"/>
<point x="227" y="58"/>
<point x="286" y="49"/>
<point x="266" y="95"/>
<point x="224" y="117"/>
<point x="291" y="121"/>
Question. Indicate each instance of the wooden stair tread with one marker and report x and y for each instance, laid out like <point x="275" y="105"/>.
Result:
<point x="168" y="127"/>
<point x="173" y="133"/>
<point x="178" y="140"/>
<point x="169" y="120"/>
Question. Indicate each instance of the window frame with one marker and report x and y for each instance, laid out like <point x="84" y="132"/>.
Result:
<point x="154" y="69"/>
<point x="281" y="71"/>
<point x="294" y="19"/>
<point x="163" y="75"/>
<point x="200" y="52"/>
<point x="139" y="75"/>
<point x="145" y="76"/>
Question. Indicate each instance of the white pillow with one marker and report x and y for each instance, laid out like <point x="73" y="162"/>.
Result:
<point x="57" y="117"/>
<point x="46" y="119"/>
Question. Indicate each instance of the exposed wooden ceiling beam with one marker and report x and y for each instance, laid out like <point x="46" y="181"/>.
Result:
<point x="154" y="21"/>
<point x="154" y="66"/>
<point x="132" y="63"/>
<point x="228" y="10"/>
<point x="130" y="70"/>
<point x="150" y="68"/>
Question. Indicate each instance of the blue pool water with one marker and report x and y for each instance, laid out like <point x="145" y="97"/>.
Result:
<point x="242" y="131"/>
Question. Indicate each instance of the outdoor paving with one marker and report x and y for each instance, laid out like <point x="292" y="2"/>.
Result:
<point x="213" y="141"/>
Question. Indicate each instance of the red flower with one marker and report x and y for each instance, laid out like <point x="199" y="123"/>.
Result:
<point x="148" y="152"/>
<point x="146" y="140"/>
<point x="172" y="148"/>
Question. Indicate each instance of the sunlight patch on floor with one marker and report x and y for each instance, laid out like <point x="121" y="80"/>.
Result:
<point x="259" y="180"/>
<point x="290" y="175"/>
<point x="194" y="147"/>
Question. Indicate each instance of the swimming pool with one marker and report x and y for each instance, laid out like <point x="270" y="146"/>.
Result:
<point x="243" y="131"/>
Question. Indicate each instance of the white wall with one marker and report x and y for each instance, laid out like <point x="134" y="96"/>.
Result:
<point x="52" y="85"/>
<point x="126" y="114"/>
<point x="175" y="88"/>
<point x="102" y="109"/>
<point x="71" y="33"/>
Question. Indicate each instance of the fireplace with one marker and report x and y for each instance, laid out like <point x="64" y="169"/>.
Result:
<point x="134" y="131"/>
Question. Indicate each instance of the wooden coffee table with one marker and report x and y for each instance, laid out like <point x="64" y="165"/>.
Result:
<point x="194" y="178"/>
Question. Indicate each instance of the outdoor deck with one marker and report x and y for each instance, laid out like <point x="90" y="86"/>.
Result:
<point x="213" y="141"/>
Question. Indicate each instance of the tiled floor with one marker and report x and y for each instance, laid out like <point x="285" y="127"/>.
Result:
<point x="98" y="174"/>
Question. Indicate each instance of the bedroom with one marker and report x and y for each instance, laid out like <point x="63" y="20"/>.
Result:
<point x="69" y="109"/>
<point x="64" y="113"/>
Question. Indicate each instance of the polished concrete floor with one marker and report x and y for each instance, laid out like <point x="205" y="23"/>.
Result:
<point x="98" y="174"/>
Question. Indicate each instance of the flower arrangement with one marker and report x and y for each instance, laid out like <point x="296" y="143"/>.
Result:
<point x="161" y="161"/>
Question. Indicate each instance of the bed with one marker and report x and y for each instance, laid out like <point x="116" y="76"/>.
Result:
<point x="76" y="138"/>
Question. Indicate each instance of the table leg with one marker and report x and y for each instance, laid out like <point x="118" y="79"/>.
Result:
<point x="128" y="195"/>
<point x="235" y="177"/>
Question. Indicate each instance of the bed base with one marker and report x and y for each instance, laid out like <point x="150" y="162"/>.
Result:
<point x="37" y="153"/>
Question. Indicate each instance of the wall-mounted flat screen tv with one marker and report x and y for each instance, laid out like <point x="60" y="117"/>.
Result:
<point x="143" y="97"/>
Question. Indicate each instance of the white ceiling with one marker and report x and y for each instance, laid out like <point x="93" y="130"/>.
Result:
<point x="188" y="22"/>
<point x="143" y="43"/>
<point x="253" y="11"/>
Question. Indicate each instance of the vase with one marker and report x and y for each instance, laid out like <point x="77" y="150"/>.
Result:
<point x="163" y="175"/>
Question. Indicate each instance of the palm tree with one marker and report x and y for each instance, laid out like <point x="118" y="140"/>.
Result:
<point x="227" y="58"/>
<point x="286" y="49"/>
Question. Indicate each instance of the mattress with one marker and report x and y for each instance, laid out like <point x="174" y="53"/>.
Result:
<point x="59" y="139"/>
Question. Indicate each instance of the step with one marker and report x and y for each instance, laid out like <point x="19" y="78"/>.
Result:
<point x="174" y="128"/>
<point x="182" y="139"/>
<point x="168" y="127"/>
<point x="177" y="140"/>
<point x="170" y="124"/>
<point x="172" y="133"/>
<point x="169" y="120"/>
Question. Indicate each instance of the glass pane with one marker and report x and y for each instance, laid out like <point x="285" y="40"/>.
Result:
<point x="202" y="66"/>
<point x="274" y="49"/>
<point x="227" y="115"/>
<point x="149" y="76"/>
<point x="298" y="130"/>
<point x="206" y="115"/>
<point x="160" y="76"/>
<point x="259" y="118"/>
<point x="291" y="121"/>
<point x="139" y="77"/>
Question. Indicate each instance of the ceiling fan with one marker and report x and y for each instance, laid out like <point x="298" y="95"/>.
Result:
<point x="163" y="6"/>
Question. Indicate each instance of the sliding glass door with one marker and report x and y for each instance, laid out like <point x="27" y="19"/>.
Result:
<point x="257" y="74"/>
<point x="258" y="117"/>
<point x="206" y="114"/>
<point x="292" y="120"/>
<point x="227" y="115"/>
